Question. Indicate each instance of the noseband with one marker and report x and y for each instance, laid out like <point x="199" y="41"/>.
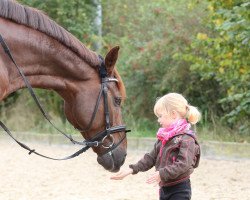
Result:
<point x="107" y="133"/>
<point x="99" y="138"/>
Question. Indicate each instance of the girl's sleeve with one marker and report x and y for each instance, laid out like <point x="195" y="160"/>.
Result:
<point x="147" y="162"/>
<point x="183" y="162"/>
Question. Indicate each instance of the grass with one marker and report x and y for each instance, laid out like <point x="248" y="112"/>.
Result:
<point x="204" y="134"/>
<point x="23" y="117"/>
<point x="206" y="131"/>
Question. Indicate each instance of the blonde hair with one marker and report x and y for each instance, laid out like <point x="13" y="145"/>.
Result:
<point x="175" y="101"/>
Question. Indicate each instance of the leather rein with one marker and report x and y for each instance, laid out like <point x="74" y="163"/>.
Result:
<point x="99" y="138"/>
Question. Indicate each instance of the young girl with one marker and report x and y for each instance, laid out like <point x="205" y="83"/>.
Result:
<point x="176" y="152"/>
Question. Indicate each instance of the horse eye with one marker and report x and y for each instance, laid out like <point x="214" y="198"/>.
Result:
<point x="118" y="101"/>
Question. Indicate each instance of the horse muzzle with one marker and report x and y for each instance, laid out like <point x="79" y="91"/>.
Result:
<point x="113" y="160"/>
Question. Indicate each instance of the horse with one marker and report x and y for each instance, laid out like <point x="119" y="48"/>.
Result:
<point x="51" y="58"/>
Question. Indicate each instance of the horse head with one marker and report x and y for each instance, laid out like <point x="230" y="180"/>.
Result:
<point x="87" y="112"/>
<point x="51" y="58"/>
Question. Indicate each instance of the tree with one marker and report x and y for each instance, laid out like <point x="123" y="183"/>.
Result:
<point x="150" y="33"/>
<point x="222" y="55"/>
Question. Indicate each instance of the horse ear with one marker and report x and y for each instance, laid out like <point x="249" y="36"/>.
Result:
<point x="111" y="59"/>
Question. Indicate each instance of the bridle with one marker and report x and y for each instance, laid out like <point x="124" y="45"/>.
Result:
<point x="99" y="139"/>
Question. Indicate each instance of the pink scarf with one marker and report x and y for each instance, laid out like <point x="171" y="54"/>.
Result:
<point x="164" y="134"/>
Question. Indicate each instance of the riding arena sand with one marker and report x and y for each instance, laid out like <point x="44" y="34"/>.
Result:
<point x="29" y="177"/>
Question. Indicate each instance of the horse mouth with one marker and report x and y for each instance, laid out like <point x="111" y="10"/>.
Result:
<point x="112" y="161"/>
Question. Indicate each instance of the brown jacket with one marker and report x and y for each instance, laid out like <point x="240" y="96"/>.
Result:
<point x="180" y="155"/>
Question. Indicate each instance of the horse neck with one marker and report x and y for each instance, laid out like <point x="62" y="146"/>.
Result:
<point x="45" y="62"/>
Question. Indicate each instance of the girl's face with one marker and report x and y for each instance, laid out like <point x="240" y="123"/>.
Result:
<point x="166" y="119"/>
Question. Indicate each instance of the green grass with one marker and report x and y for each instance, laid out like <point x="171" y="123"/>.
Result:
<point x="203" y="133"/>
<point x="25" y="118"/>
<point x="206" y="131"/>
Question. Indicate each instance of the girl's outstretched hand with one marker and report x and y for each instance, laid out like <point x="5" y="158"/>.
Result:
<point x="122" y="174"/>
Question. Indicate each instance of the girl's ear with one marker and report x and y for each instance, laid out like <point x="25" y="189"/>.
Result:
<point x="111" y="59"/>
<point x="174" y="114"/>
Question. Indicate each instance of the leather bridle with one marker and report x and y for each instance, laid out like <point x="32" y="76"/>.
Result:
<point x="99" y="139"/>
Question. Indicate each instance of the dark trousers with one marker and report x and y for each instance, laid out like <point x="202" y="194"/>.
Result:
<point x="181" y="191"/>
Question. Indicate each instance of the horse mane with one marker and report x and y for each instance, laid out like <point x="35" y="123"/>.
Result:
<point x="37" y="20"/>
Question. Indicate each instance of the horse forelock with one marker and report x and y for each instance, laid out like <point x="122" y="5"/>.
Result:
<point x="35" y="19"/>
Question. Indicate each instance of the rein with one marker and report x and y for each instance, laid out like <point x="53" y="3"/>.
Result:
<point x="94" y="142"/>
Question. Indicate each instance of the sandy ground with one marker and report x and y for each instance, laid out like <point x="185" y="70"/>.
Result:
<point x="25" y="177"/>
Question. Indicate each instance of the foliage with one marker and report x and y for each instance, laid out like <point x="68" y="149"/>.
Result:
<point x="150" y="34"/>
<point x="222" y="55"/>
<point x="198" y="49"/>
<point x="76" y="16"/>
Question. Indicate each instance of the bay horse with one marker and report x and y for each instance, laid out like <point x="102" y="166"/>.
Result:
<point x="51" y="58"/>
